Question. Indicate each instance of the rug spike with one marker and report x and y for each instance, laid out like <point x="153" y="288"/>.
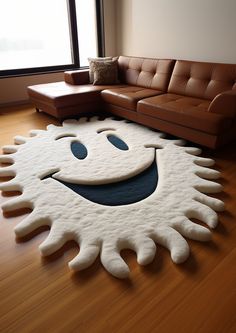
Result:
<point x="146" y="250"/>
<point x="203" y="213"/>
<point x="202" y="161"/>
<point x="54" y="241"/>
<point x="6" y="159"/>
<point x="7" y="171"/>
<point x="179" y="142"/>
<point x="10" y="186"/>
<point x="113" y="262"/>
<point x="192" y="230"/>
<point x="161" y="135"/>
<point x="35" y="132"/>
<point x="16" y="203"/>
<point x="110" y="118"/>
<point x="213" y="203"/>
<point x="9" y="149"/>
<point x="83" y="120"/>
<point x="174" y="242"/>
<point x="70" y="122"/>
<point x="207" y="186"/>
<point x="207" y="173"/>
<point x="51" y="127"/>
<point x="193" y="151"/>
<point x="19" y="139"/>
<point x="94" y="118"/>
<point x="29" y="224"/>
<point x="86" y="257"/>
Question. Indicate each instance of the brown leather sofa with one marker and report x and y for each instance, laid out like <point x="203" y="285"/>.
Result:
<point x="193" y="100"/>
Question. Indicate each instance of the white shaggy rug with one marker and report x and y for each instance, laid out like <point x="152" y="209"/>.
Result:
<point x="44" y="166"/>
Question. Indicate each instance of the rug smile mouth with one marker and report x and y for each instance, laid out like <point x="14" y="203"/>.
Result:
<point x="125" y="192"/>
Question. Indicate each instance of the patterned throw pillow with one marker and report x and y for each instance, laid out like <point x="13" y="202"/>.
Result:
<point x="106" y="72"/>
<point x="91" y="65"/>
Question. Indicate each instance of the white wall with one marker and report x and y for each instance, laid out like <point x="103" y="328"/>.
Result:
<point x="110" y="27"/>
<point x="203" y="30"/>
<point x="14" y="90"/>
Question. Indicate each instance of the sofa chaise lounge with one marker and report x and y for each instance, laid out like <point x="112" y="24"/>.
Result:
<point x="192" y="100"/>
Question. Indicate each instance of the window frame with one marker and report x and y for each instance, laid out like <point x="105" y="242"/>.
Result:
<point x="74" y="45"/>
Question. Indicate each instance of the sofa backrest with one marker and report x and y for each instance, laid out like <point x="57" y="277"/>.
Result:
<point x="145" y="72"/>
<point x="202" y="79"/>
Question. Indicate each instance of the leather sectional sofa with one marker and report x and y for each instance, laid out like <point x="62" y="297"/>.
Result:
<point x="192" y="100"/>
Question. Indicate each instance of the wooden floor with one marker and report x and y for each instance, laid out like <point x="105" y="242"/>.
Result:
<point x="42" y="295"/>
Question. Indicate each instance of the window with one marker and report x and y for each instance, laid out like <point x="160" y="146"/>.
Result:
<point x="86" y="27"/>
<point x="48" y="35"/>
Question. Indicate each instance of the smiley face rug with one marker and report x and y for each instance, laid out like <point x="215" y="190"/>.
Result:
<point x="111" y="185"/>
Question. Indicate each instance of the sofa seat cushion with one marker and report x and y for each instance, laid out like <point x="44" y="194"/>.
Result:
<point x="184" y="111"/>
<point x="61" y="94"/>
<point x="127" y="97"/>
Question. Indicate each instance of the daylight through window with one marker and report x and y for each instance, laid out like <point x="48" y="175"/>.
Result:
<point x="41" y="34"/>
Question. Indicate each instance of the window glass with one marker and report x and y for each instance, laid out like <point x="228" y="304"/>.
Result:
<point x="87" y="30"/>
<point x="34" y="34"/>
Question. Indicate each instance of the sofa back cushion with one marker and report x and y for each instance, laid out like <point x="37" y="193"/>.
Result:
<point x="145" y="72"/>
<point x="202" y="79"/>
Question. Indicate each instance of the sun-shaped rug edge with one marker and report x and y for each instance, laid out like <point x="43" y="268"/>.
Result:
<point x="163" y="218"/>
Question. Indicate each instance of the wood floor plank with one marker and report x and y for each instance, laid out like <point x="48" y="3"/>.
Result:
<point x="41" y="294"/>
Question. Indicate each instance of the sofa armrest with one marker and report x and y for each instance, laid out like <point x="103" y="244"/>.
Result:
<point x="224" y="103"/>
<point x="80" y="76"/>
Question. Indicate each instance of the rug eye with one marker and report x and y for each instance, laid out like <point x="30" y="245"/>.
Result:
<point x="117" y="142"/>
<point x="79" y="150"/>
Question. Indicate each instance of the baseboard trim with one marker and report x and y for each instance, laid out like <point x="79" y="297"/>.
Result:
<point x="15" y="103"/>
